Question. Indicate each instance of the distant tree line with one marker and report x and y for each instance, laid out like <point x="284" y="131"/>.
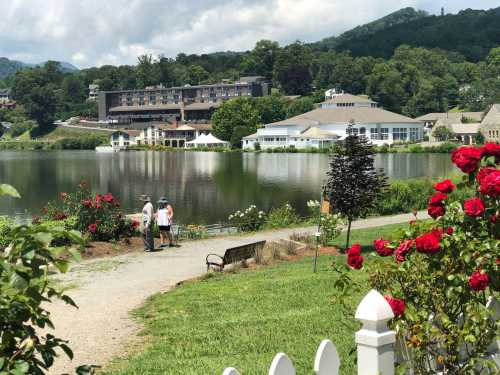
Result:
<point x="413" y="81"/>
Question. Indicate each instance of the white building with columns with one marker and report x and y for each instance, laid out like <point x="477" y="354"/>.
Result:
<point x="323" y="126"/>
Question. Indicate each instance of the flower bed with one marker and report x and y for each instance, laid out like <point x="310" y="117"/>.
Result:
<point x="98" y="216"/>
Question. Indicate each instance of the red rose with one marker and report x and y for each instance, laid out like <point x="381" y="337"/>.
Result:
<point x="490" y="184"/>
<point x="108" y="198"/>
<point x="135" y="224"/>
<point x="355" y="250"/>
<point x="436" y="210"/>
<point x="87" y="203"/>
<point x="381" y="247"/>
<point x="437" y="198"/>
<point x="494" y="218"/>
<point x="397" y="305"/>
<point x="427" y="243"/>
<point x="92" y="228"/>
<point x="355" y="262"/>
<point x="438" y="233"/>
<point x="483" y="172"/>
<point x="449" y="231"/>
<point x="403" y="249"/>
<point x="63" y="195"/>
<point x="466" y="158"/>
<point x="445" y="186"/>
<point x="354" y="258"/>
<point x="478" y="281"/>
<point x="474" y="207"/>
<point x="491" y="149"/>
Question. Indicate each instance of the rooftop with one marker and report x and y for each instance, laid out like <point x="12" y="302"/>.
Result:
<point x="360" y="115"/>
<point x="348" y="98"/>
<point x="475" y="116"/>
<point x="493" y="116"/>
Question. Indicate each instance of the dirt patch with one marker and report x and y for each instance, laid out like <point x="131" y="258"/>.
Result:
<point x="99" y="249"/>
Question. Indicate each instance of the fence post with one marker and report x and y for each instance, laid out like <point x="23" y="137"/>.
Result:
<point x="374" y="340"/>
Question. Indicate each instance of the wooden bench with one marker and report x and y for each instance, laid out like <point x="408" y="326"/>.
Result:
<point x="234" y="254"/>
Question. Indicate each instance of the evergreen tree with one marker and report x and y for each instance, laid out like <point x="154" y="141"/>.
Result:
<point x="354" y="185"/>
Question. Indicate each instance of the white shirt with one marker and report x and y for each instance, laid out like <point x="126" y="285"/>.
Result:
<point x="147" y="214"/>
<point x="163" y="219"/>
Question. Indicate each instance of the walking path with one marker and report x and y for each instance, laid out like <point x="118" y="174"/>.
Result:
<point x="107" y="290"/>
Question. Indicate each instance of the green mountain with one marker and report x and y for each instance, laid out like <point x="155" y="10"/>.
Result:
<point x="10" y="67"/>
<point x="401" y="16"/>
<point x="471" y="33"/>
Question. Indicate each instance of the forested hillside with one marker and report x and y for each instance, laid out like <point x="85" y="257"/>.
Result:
<point x="401" y="16"/>
<point x="472" y="33"/>
<point x="10" y="67"/>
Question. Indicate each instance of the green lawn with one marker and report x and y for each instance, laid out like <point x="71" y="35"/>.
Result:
<point x="244" y="319"/>
<point x="365" y="237"/>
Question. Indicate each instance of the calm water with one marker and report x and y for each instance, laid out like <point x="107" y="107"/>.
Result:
<point x="204" y="187"/>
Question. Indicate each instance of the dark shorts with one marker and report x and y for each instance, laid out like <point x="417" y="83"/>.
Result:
<point x="164" y="228"/>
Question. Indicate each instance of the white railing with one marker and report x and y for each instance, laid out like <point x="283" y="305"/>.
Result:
<point x="375" y="344"/>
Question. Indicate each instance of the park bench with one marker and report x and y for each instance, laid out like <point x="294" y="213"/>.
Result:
<point x="234" y="254"/>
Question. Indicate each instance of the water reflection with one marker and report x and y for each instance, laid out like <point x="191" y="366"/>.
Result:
<point x="204" y="187"/>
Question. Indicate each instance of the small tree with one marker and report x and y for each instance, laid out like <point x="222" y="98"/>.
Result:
<point x="479" y="138"/>
<point x="442" y="133"/>
<point x="354" y="185"/>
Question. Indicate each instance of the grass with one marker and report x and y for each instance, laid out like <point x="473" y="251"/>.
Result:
<point x="243" y="319"/>
<point x="366" y="236"/>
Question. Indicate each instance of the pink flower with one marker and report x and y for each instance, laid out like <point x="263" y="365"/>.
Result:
<point x="108" y="198"/>
<point x="92" y="228"/>
<point x="63" y="195"/>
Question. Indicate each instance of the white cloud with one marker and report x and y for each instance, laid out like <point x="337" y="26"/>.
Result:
<point x="96" y="32"/>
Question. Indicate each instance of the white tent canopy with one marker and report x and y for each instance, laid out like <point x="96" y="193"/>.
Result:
<point x="207" y="141"/>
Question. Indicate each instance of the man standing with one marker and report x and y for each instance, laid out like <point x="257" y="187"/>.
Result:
<point x="147" y="222"/>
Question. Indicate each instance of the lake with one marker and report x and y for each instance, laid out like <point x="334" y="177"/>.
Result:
<point x="204" y="187"/>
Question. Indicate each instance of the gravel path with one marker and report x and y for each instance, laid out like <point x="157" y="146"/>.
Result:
<point x="106" y="290"/>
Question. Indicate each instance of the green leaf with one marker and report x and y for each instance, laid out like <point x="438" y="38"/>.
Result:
<point x="62" y="265"/>
<point x="9" y="190"/>
<point x="43" y="237"/>
<point x="18" y="281"/>
<point x="75" y="253"/>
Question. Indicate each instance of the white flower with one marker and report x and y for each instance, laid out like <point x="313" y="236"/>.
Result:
<point x="241" y="215"/>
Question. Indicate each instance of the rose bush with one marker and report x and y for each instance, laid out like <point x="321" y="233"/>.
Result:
<point x="99" y="216"/>
<point x="444" y="272"/>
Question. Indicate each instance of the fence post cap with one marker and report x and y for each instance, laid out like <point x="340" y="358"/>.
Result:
<point x="374" y="308"/>
<point x="230" y="371"/>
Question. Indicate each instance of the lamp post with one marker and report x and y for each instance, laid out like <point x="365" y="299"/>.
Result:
<point x="318" y="234"/>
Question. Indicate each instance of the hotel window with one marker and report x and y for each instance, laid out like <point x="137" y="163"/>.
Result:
<point x="362" y="131"/>
<point x="414" y="134"/>
<point x="384" y="133"/>
<point x="374" y="133"/>
<point x="354" y="131"/>
<point x="399" y="134"/>
<point x="152" y="100"/>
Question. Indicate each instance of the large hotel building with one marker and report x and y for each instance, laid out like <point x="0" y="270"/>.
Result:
<point x="184" y="103"/>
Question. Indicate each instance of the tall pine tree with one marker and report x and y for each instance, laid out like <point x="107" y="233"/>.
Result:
<point x="354" y="185"/>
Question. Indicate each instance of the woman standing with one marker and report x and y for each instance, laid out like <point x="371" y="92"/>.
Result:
<point x="164" y="222"/>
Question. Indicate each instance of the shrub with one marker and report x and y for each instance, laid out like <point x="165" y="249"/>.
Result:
<point x="256" y="146"/>
<point x="6" y="225"/>
<point x="248" y="220"/>
<point x="89" y="142"/>
<point x="25" y="293"/>
<point x="194" y="232"/>
<point x="330" y="228"/>
<point x="20" y="128"/>
<point x="97" y="215"/>
<point x="443" y="272"/>
<point x="282" y="216"/>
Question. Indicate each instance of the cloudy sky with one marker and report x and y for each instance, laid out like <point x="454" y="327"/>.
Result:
<point x="96" y="32"/>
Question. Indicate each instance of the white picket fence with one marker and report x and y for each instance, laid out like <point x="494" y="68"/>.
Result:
<point x="375" y="344"/>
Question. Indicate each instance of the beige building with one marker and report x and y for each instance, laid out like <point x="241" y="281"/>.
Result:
<point x="465" y="125"/>
<point x="490" y="126"/>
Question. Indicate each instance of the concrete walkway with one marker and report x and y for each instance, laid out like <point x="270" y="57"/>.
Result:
<point x="106" y="290"/>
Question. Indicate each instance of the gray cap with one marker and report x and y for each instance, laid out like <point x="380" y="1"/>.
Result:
<point x="145" y="198"/>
